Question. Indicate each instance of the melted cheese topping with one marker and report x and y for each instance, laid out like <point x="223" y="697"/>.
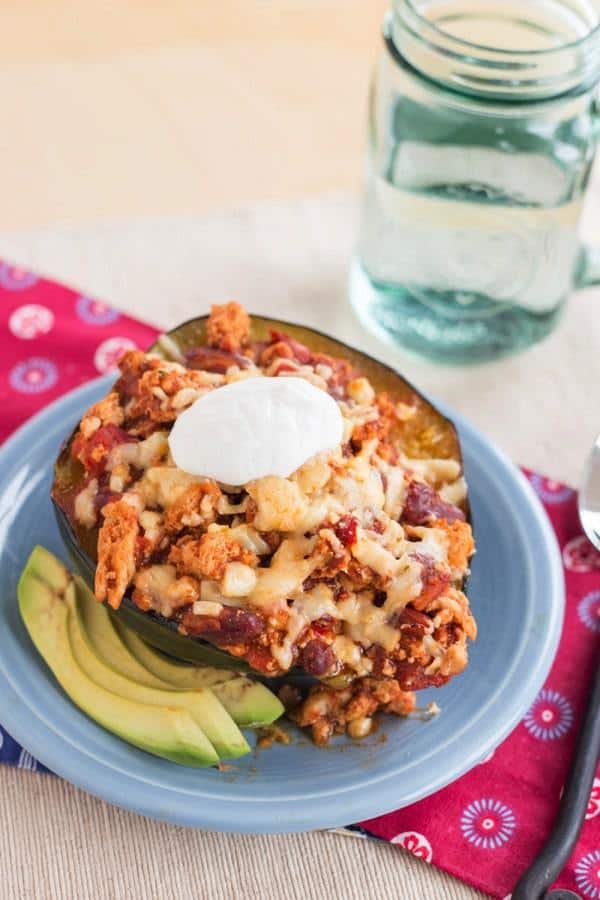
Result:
<point x="432" y="542"/>
<point x="435" y="471"/>
<point x="395" y="492"/>
<point x="162" y="485"/>
<point x="284" y="652"/>
<point x="141" y="454"/>
<point x="370" y="553"/>
<point x="290" y="567"/>
<point x="84" y="504"/>
<point x="349" y="654"/>
<point x="316" y="603"/>
<point x="280" y="503"/>
<point x="368" y="624"/>
<point x="406" y="586"/>
<point x="359" y="486"/>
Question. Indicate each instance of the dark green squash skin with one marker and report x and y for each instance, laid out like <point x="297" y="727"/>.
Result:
<point x="162" y="633"/>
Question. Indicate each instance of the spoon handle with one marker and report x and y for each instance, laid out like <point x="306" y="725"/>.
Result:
<point x="556" y="851"/>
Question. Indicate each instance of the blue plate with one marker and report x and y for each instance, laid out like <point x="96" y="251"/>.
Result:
<point x="516" y="591"/>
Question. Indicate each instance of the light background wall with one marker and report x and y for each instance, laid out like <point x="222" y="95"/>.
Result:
<point x="113" y="108"/>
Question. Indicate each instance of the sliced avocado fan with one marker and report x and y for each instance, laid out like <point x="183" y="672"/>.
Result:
<point x="109" y="672"/>
<point x="208" y="713"/>
<point x="168" y="732"/>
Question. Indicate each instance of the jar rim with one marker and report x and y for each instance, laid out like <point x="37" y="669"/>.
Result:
<point x="501" y="51"/>
<point x="494" y="72"/>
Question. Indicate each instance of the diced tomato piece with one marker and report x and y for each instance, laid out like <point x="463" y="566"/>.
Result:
<point x="143" y="550"/>
<point x="412" y="677"/>
<point x="434" y="578"/>
<point x="322" y="625"/>
<point x="345" y="530"/>
<point x="93" y="452"/>
<point x="261" y="659"/>
<point x="284" y="367"/>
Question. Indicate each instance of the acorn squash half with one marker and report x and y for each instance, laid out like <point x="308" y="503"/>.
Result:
<point x="428" y="433"/>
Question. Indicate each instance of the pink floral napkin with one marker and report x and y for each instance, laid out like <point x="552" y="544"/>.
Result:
<point x="487" y="826"/>
<point x="52" y="339"/>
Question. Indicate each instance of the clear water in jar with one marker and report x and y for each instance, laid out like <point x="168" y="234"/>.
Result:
<point x="468" y="245"/>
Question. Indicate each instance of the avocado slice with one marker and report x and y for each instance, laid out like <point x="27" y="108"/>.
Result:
<point x="107" y="643"/>
<point x="202" y="705"/>
<point x="164" y="731"/>
<point x="169" y="671"/>
<point x="45" y="566"/>
<point x="250" y="703"/>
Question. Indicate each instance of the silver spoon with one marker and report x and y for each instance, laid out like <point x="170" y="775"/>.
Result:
<point x="589" y="496"/>
<point x="559" y="846"/>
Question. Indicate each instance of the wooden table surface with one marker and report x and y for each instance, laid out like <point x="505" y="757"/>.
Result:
<point x="151" y="107"/>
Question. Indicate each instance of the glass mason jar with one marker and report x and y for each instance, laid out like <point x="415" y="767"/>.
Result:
<point x="482" y="130"/>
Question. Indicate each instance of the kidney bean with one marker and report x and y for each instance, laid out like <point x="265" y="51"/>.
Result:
<point x="316" y="657"/>
<point x="412" y="618"/>
<point x="210" y="359"/>
<point x="232" y="626"/>
<point x="290" y="696"/>
<point x="423" y="504"/>
<point x="104" y="497"/>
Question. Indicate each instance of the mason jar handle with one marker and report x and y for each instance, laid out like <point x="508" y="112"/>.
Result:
<point x="589" y="268"/>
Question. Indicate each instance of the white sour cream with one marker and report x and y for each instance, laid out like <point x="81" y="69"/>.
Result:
<point x="255" y="427"/>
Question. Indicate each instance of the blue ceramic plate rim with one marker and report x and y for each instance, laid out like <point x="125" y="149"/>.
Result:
<point x="482" y="732"/>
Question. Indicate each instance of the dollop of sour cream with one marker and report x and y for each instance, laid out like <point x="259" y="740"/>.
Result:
<point x="255" y="427"/>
